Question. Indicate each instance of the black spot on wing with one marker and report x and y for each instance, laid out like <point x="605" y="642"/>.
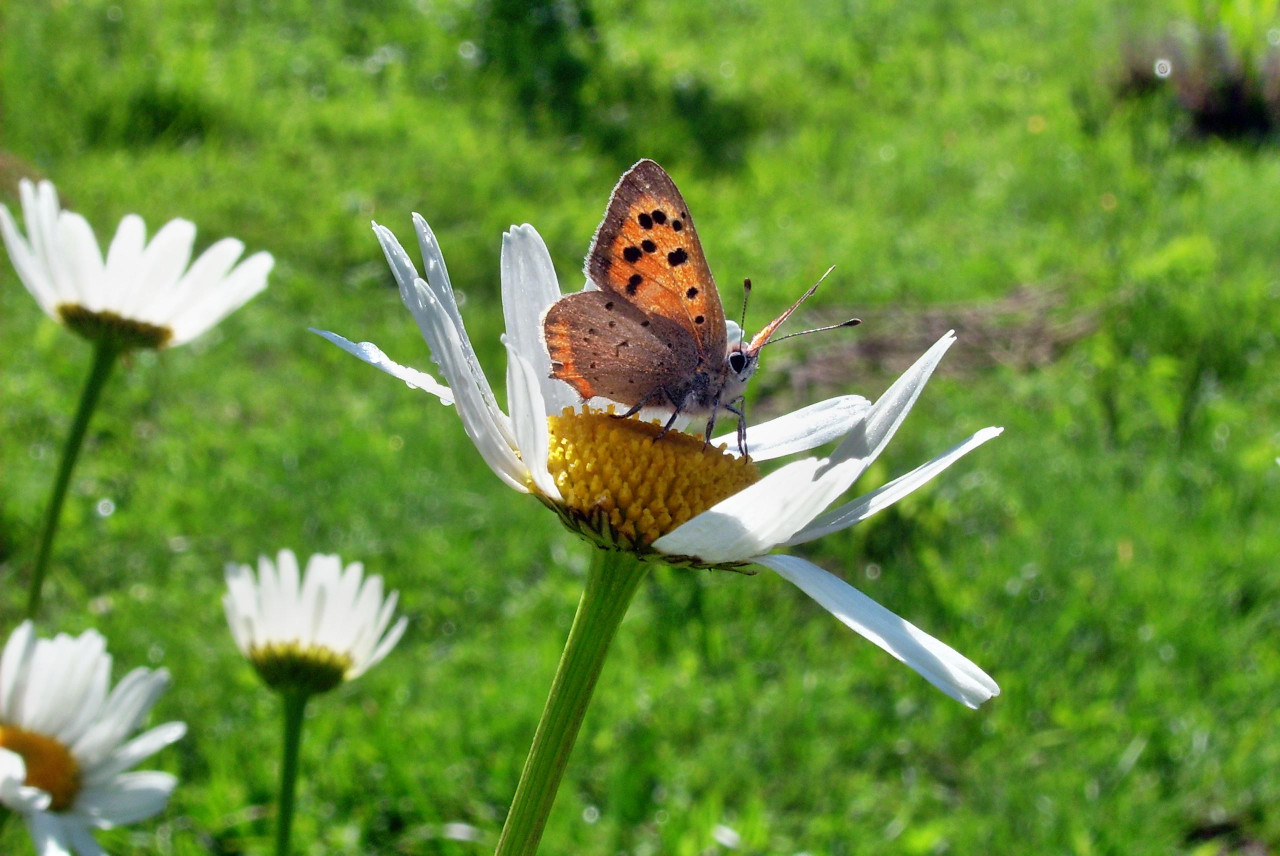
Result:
<point x="677" y="257"/>
<point x="648" y="246"/>
<point x="632" y="254"/>
<point x="659" y="217"/>
<point x="646" y="222"/>
<point x="691" y="293"/>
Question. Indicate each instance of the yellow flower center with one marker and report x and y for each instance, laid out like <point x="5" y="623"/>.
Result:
<point x="50" y="766"/>
<point x="291" y="666"/>
<point x="108" y="326"/>
<point x="623" y="487"/>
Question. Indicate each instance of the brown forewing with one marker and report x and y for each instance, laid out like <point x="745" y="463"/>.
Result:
<point x="603" y="346"/>
<point x="647" y="252"/>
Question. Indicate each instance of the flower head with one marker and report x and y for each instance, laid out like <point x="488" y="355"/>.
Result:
<point x="672" y="500"/>
<point x="143" y="295"/>
<point x="313" y="633"/>
<point x="64" y="740"/>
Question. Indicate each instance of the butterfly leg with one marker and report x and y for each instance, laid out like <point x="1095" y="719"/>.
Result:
<point x="737" y="408"/>
<point x="711" y="423"/>
<point x="638" y="405"/>
<point x="677" y="407"/>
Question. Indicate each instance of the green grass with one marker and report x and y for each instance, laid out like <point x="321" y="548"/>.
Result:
<point x="1111" y="560"/>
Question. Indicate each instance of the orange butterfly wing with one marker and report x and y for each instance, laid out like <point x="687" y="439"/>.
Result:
<point x="646" y="251"/>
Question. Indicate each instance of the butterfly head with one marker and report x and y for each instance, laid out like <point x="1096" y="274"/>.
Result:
<point x="741" y="364"/>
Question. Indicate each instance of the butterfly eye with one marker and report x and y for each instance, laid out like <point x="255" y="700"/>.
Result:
<point x="737" y="362"/>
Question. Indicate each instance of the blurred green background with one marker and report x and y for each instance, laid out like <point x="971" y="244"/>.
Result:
<point x="1111" y="560"/>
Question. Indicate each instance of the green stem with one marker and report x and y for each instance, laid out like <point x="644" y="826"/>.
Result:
<point x="104" y="357"/>
<point x="295" y="707"/>
<point x="611" y="583"/>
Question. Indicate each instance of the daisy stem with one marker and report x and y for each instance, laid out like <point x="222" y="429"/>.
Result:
<point x="611" y="583"/>
<point x="295" y="707"/>
<point x="104" y="358"/>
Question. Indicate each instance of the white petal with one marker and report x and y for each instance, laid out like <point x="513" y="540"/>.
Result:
<point x="81" y="257"/>
<point x="129" y="702"/>
<point x="529" y="287"/>
<point x="800" y="430"/>
<point x="754" y="519"/>
<point x="31" y="269"/>
<point x="435" y="310"/>
<point x="436" y="276"/>
<point x="17" y="652"/>
<point x="241" y="605"/>
<point x="860" y="509"/>
<point x="126" y="247"/>
<point x="388" y="642"/>
<point x="360" y="623"/>
<point x="289" y="613"/>
<point x="134" y="752"/>
<point x="12" y="767"/>
<point x="245" y="281"/>
<point x="13" y="793"/>
<point x="891" y="408"/>
<point x="81" y="838"/>
<point x="41" y="210"/>
<point x="64" y="684"/>
<point x="937" y="662"/>
<point x="374" y="356"/>
<point x="757" y="519"/>
<point x="481" y="419"/>
<point x="127" y="799"/>
<point x="158" y="270"/>
<point x="48" y="835"/>
<point x="203" y="278"/>
<point x="378" y="630"/>
<point x="529" y="419"/>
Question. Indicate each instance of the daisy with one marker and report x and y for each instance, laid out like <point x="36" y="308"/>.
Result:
<point x="311" y="633"/>
<point x="676" y="501"/>
<point x="143" y="295"/>
<point x="305" y="637"/>
<point x="672" y="501"/>
<point x="70" y="735"/>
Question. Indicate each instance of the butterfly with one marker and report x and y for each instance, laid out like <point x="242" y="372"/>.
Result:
<point x="653" y="332"/>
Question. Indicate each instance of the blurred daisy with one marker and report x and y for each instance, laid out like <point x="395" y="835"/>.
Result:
<point x="70" y="736"/>
<point x="143" y="295"/>
<point x="673" y="501"/>
<point x="314" y="632"/>
<point x="306" y="636"/>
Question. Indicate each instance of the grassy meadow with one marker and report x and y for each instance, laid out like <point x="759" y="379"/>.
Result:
<point x="1111" y="560"/>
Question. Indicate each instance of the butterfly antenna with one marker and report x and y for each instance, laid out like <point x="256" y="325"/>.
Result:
<point x="852" y="322"/>
<point x="746" y="296"/>
<point x="764" y="335"/>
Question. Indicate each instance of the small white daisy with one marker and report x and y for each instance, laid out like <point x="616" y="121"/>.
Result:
<point x="143" y="294"/>
<point x="313" y="633"/>
<point x="672" y="501"/>
<point x="71" y="734"/>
